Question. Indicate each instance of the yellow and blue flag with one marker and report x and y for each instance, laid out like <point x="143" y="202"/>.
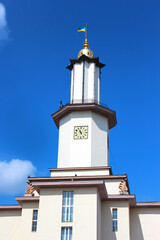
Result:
<point x="82" y="29"/>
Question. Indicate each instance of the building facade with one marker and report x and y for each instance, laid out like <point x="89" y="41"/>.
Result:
<point x="82" y="199"/>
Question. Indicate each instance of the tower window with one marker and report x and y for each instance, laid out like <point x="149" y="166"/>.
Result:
<point x="114" y="219"/>
<point x="67" y="207"/>
<point x="34" y="221"/>
<point x="66" y="233"/>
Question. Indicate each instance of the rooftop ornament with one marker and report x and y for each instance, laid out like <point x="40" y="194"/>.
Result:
<point x="123" y="187"/>
<point x="30" y="190"/>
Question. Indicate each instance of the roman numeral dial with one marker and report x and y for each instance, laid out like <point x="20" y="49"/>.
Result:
<point x="80" y="132"/>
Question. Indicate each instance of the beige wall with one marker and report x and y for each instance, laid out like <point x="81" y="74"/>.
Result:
<point x="99" y="217"/>
<point x="49" y="217"/>
<point x="85" y="218"/>
<point x="123" y="220"/>
<point x="26" y="221"/>
<point x="10" y="221"/>
<point x="84" y="214"/>
<point x="92" y="219"/>
<point x="145" y="223"/>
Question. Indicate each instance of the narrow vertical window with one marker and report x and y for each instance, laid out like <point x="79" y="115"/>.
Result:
<point x="114" y="219"/>
<point x="34" y="221"/>
<point x="67" y="208"/>
<point x="66" y="233"/>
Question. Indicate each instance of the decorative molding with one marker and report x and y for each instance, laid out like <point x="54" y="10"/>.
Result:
<point x="30" y="190"/>
<point x="123" y="187"/>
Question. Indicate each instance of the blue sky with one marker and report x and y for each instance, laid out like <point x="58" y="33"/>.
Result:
<point x="37" y="38"/>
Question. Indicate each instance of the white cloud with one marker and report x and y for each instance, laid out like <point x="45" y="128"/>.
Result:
<point x="4" y="31"/>
<point x="13" y="176"/>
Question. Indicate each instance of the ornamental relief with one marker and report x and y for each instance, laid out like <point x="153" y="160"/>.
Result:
<point x="123" y="187"/>
<point x="30" y="190"/>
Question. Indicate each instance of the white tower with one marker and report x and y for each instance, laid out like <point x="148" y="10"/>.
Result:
<point x="83" y="123"/>
<point x="85" y="77"/>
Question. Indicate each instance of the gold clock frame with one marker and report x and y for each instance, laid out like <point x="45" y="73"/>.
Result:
<point x="83" y="134"/>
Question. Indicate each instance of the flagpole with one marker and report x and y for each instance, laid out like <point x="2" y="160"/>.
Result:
<point x="86" y="33"/>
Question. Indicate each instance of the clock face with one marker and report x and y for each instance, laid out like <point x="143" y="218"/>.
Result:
<point x="80" y="132"/>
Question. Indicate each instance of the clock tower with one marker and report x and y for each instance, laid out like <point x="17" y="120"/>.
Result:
<point x="84" y="123"/>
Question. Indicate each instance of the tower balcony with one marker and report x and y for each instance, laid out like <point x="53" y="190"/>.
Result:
<point x="88" y="101"/>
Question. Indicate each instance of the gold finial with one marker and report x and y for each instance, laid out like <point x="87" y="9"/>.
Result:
<point x="85" y="45"/>
<point x="85" y="51"/>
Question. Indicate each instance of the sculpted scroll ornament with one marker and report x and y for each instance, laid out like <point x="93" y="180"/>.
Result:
<point x="30" y="189"/>
<point x="123" y="187"/>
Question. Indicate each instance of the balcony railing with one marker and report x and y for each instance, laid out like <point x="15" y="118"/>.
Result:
<point x="83" y="101"/>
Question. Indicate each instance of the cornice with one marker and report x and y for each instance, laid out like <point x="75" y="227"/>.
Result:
<point x="87" y="59"/>
<point x="93" y="107"/>
<point x="147" y="205"/>
<point x="20" y="200"/>
<point x="76" y="178"/>
<point x="10" y="207"/>
<point x="100" y="185"/>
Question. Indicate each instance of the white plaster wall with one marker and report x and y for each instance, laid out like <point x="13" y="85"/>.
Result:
<point x="64" y="144"/>
<point x="77" y="82"/>
<point x="80" y="149"/>
<point x="83" y="152"/>
<point x="123" y="220"/>
<point x="72" y="85"/>
<point x="91" y="172"/>
<point x="97" y="84"/>
<point x="84" y="214"/>
<point x="71" y="152"/>
<point x="145" y="223"/>
<point x="99" y="135"/>
<point x="10" y="222"/>
<point x="36" y="194"/>
<point x="112" y="186"/>
<point x="26" y="221"/>
<point x="87" y="87"/>
<point x="89" y="81"/>
<point x="91" y="90"/>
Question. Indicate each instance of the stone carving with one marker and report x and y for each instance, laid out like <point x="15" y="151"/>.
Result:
<point x="123" y="187"/>
<point x="30" y="189"/>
